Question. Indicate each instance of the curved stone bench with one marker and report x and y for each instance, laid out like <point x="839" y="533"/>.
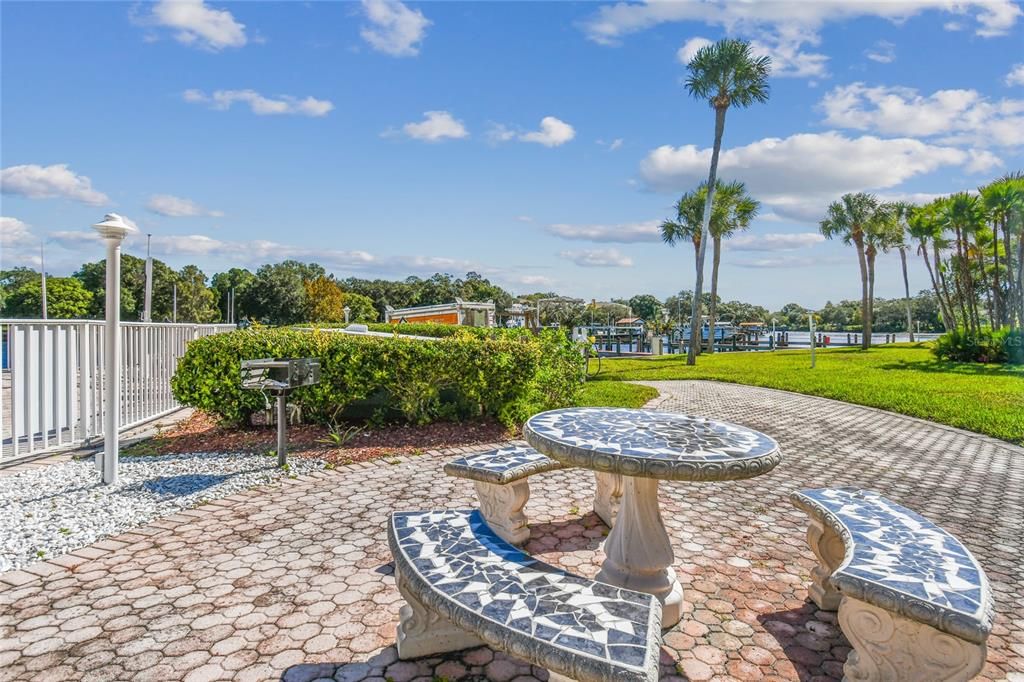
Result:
<point x="913" y="601"/>
<point x="500" y="477"/>
<point x="465" y="586"/>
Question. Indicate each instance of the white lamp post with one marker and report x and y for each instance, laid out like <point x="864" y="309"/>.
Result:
<point x="113" y="229"/>
<point x="347" y="312"/>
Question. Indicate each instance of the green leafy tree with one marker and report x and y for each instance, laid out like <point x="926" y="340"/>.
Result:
<point x="66" y="299"/>
<point x="646" y="306"/>
<point x="360" y="308"/>
<point x="222" y="284"/>
<point x="196" y="301"/>
<point x="133" y="287"/>
<point x="277" y="295"/>
<point x="724" y="74"/>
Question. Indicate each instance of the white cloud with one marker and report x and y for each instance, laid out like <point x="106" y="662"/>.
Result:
<point x="16" y="234"/>
<point x="613" y="145"/>
<point x="553" y="133"/>
<point x="177" y="207"/>
<point x="436" y="126"/>
<point x="394" y="28"/>
<point x="524" y="218"/>
<point x="1016" y="75"/>
<point x="598" y="258"/>
<point x="499" y="132"/>
<point x="690" y="47"/>
<point x="773" y="241"/>
<point x="882" y="52"/>
<point x="47" y="182"/>
<point x="222" y="100"/>
<point x="797" y="176"/>
<point x="623" y="233"/>
<point x="783" y="28"/>
<point x="787" y="262"/>
<point x="958" y="116"/>
<point x="198" y="24"/>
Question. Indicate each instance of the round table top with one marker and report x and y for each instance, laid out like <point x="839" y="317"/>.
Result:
<point x="649" y="444"/>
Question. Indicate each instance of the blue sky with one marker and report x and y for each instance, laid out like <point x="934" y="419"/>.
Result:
<point x="536" y="143"/>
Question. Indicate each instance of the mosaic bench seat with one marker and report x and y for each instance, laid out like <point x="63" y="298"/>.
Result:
<point x="502" y="487"/>
<point x="464" y="587"/>
<point x="913" y="601"/>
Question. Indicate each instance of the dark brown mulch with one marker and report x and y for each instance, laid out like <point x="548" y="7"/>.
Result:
<point x="202" y="433"/>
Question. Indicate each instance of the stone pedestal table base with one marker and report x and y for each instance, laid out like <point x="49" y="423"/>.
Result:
<point x="638" y="550"/>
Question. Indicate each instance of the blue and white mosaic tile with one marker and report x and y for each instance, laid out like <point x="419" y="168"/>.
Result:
<point x="501" y="466"/>
<point x="900" y="561"/>
<point x="652" y="444"/>
<point x="487" y="586"/>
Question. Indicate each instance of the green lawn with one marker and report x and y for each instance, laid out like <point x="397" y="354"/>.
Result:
<point x="614" y="394"/>
<point x="903" y="378"/>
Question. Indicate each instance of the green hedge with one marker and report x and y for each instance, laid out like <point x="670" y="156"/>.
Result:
<point x="388" y="379"/>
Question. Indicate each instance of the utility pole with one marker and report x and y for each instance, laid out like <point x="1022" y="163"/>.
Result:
<point x="810" y="317"/>
<point x="231" y="305"/>
<point x="175" y="308"/>
<point x="147" y="309"/>
<point x="42" y="267"/>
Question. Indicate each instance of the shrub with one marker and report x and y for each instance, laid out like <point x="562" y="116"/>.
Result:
<point x="386" y="379"/>
<point x="1003" y="346"/>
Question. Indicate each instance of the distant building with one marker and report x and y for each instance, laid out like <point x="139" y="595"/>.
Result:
<point x="630" y="322"/>
<point x="466" y="313"/>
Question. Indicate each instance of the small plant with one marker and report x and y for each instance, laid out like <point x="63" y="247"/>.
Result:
<point x="394" y="461"/>
<point x="339" y="437"/>
<point x="270" y="453"/>
<point x="329" y="466"/>
<point x="64" y="531"/>
<point x="40" y="553"/>
<point x="574" y="510"/>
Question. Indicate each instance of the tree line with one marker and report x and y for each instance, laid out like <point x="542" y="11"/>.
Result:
<point x="972" y="245"/>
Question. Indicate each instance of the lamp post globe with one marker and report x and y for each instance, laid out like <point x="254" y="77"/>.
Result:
<point x="113" y="228"/>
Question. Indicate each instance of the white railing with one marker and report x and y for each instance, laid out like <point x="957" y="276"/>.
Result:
<point x="51" y="395"/>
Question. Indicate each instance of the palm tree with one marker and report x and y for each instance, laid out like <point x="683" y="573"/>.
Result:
<point x="686" y="225"/>
<point x="1004" y="200"/>
<point x="924" y="225"/>
<point x="723" y="74"/>
<point x="900" y="212"/>
<point x="964" y="213"/>
<point x="849" y="219"/>
<point x="733" y="211"/>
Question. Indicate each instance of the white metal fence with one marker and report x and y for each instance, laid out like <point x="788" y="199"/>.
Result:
<point x="51" y="394"/>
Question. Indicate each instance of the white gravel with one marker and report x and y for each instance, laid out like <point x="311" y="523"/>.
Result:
<point x="55" y="509"/>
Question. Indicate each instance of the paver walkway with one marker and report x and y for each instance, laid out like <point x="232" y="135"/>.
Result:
<point x="295" y="582"/>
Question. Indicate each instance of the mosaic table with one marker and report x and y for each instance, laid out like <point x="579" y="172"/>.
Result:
<point x="645" y="447"/>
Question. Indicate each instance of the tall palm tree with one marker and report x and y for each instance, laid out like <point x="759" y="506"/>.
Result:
<point x="686" y="225"/>
<point x="849" y="219"/>
<point x="724" y="74"/>
<point x="900" y="212"/>
<point x="733" y="211"/>
<point x="1004" y="201"/>
<point x="924" y="225"/>
<point x="964" y="213"/>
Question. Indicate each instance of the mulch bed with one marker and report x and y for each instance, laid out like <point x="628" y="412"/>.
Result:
<point x="202" y="433"/>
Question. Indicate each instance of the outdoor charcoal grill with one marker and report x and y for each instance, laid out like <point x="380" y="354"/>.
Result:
<point x="280" y="377"/>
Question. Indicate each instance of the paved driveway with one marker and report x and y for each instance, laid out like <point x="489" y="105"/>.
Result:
<point x="295" y="581"/>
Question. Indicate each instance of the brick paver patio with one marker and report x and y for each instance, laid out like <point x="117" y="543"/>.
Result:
<point x="295" y="582"/>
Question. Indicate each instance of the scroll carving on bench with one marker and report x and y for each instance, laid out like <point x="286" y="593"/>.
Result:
<point x="913" y="601"/>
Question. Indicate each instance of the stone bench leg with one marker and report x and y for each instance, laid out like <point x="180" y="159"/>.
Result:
<point x="422" y="632"/>
<point x="828" y="548"/>
<point x="892" y="648"/>
<point x="607" y="496"/>
<point x="502" y="508"/>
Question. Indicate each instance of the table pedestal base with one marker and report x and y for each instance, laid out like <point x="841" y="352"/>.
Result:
<point x="638" y="550"/>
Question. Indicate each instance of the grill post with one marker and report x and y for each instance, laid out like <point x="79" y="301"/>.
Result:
<point x="282" y="429"/>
